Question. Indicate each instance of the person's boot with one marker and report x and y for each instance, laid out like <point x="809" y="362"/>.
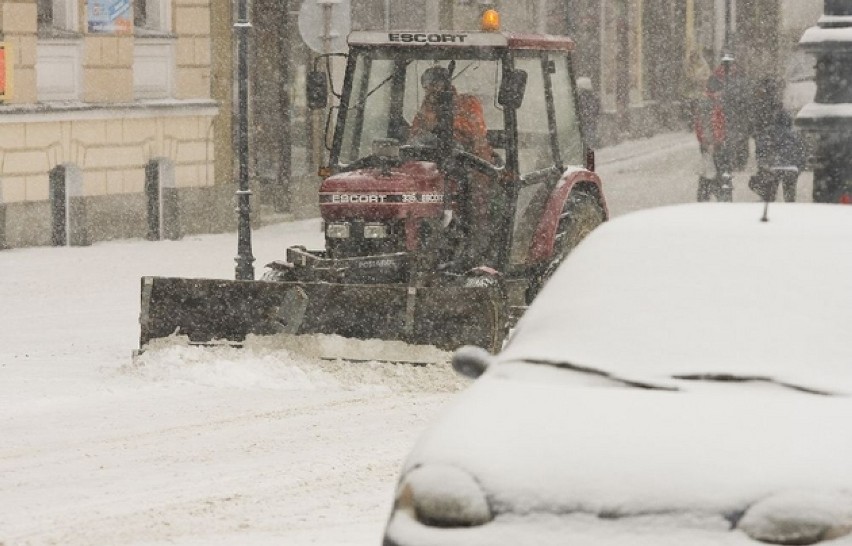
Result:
<point x="726" y="188"/>
<point x="789" y="186"/>
<point x="790" y="193"/>
<point x="704" y="185"/>
<point x="757" y="184"/>
<point x="772" y="189"/>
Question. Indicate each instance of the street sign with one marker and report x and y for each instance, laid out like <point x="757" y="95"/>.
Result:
<point x="324" y="24"/>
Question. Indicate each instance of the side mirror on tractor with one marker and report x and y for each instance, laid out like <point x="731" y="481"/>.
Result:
<point x="590" y="158"/>
<point x="512" y="89"/>
<point x="316" y="90"/>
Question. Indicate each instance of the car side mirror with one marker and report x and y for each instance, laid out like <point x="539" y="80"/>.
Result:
<point x="316" y="90"/>
<point x="471" y="361"/>
<point x="512" y="89"/>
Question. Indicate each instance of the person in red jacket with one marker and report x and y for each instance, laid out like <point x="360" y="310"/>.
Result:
<point x="711" y="130"/>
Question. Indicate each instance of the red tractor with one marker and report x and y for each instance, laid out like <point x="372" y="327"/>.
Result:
<point x="446" y="205"/>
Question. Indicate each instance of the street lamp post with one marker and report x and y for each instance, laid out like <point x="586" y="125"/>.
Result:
<point x="727" y="46"/>
<point x="244" y="259"/>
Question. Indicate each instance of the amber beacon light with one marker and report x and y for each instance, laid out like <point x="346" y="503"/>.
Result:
<point x="490" y="20"/>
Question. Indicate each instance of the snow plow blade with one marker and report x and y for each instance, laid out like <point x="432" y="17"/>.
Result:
<point x="209" y="310"/>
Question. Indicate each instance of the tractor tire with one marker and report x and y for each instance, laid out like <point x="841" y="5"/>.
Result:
<point x="582" y="214"/>
<point x="277" y="275"/>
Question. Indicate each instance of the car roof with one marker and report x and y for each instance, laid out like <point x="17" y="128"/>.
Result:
<point x="703" y="289"/>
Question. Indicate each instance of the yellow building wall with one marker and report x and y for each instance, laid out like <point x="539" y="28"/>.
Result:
<point x="108" y="134"/>
<point x="111" y="153"/>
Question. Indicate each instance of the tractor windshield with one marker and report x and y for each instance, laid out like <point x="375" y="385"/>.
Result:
<point x="387" y="93"/>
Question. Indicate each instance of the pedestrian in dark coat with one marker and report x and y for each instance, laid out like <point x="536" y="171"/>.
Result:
<point x="590" y="109"/>
<point x="779" y="149"/>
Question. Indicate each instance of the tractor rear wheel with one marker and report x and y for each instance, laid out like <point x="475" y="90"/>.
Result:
<point x="582" y="213"/>
<point x="272" y="274"/>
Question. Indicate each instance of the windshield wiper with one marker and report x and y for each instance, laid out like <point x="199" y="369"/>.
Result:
<point x="363" y="102"/>
<point x="599" y="373"/>
<point x="730" y="378"/>
<point x="463" y="70"/>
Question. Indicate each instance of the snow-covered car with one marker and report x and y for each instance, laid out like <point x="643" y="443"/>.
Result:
<point x="683" y="378"/>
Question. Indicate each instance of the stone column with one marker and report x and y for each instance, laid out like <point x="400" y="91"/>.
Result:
<point x="78" y="217"/>
<point x="830" y="116"/>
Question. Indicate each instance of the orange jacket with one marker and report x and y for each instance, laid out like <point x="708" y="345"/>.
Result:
<point x="469" y="128"/>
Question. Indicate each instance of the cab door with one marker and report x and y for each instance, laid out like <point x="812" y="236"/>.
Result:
<point x="548" y="138"/>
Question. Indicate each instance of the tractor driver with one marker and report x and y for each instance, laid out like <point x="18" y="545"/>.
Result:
<point x="469" y="129"/>
<point x="469" y="132"/>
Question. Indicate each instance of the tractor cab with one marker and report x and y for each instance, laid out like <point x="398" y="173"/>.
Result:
<point x="414" y="163"/>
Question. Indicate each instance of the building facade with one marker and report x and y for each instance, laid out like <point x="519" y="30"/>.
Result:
<point x="108" y="127"/>
<point x="116" y="115"/>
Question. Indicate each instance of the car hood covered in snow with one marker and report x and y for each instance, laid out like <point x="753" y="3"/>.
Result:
<point x="539" y="443"/>
<point x="703" y="289"/>
<point x="688" y="367"/>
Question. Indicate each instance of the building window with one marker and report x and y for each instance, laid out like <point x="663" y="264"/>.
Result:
<point x="153" y="68"/>
<point x="153" y="49"/>
<point x="57" y="18"/>
<point x="59" y="69"/>
<point x="152" y="17"/>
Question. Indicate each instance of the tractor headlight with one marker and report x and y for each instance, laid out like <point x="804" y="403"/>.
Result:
<point x="375" y="231"/>
<point x="443" y="496"/>
<point x="337" y="230"/>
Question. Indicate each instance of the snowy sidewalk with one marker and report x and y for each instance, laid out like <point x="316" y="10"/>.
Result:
<point x="663" y="170"/>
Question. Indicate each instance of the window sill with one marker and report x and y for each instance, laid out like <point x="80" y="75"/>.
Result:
<point x="76" y="110"/>
<point x="147" y="33"/>
<point x="51" y="33"/>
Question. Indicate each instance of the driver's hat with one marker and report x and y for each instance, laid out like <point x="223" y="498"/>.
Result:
<point x="435" y="74"/>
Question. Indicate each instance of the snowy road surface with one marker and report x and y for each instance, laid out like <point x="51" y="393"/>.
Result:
<point x="195" y="446"/>
<point x="663" y="170"/>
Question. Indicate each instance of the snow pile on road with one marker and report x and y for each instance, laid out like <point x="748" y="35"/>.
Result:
<point x="312" y="362"/>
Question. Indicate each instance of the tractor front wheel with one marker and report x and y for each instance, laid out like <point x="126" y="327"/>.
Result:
<point x="274" y="274"/>
<point x="582" y="213"/>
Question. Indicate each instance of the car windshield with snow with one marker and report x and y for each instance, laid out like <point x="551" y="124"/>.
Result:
<point x="683" y="377"/>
